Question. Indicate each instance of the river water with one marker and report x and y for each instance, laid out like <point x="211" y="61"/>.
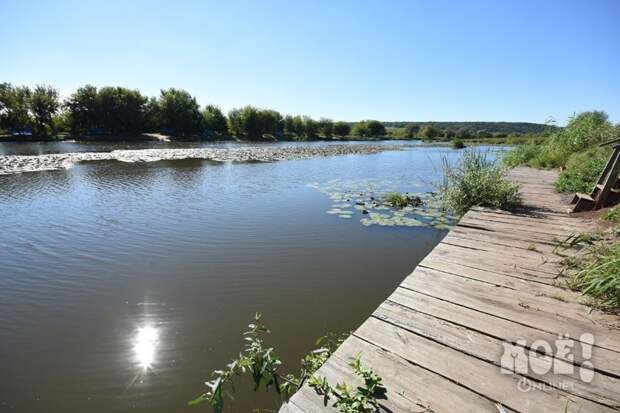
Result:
<point x="122" y="285"/>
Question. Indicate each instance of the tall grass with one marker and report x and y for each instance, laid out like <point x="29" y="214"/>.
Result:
<point x="583" y="131"/>
<point x="477" y="180"/>
<point x="598" y="275"/>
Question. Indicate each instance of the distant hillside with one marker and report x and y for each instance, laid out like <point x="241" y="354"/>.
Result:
<point x="490" y="127"/>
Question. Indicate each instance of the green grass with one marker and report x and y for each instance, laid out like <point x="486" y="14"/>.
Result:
<point x="520" y="155"/>
<point x="597" y="275"/>
<point x="476" y="181"/>
<point x="612" y="215"/>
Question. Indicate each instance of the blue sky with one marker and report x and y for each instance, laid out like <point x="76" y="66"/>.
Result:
<point x="389" y="60"/>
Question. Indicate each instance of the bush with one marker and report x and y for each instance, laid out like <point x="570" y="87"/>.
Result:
<point x="582" y="171"/>
<point x="457" y="144"/>
<point x="520" y="155"/>
<point x="476" y="181"/>
<point x="583" y="131"/>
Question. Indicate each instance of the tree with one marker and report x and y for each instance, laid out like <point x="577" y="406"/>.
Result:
<point x="341" y="129"/>
<point x="43" y="105"/>
<point x="270" y="122"/>
<point x="82" y="108"/>
<point x="298" y="126"/>
<point x="120" y="110"/>
<point x="368" y="128"/>
<point x="360" y="129"/>
<point x="326" y="127"/>
<point x="14" y="107"/>
<point x="375" y="128"/>
<point x="311" y="128"/>
<point x="288" y="125"/>
<point x="214" y="120"/>
<point x="152" y="116"/>
<point x="412" y="130"/>
<point x="430" y="132"/>
<point x="179" y="112"/>
<point x="463" y="133"/>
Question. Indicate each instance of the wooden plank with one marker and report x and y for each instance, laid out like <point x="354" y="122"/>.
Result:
<point x="604" y="360"/>
<point x="549" y="231"/>
<point x="504" y="240"/>
<point x="510" y="236"/>
<point x="542" y="313"/>
<point x="570" y="224"/>
<point x="561" y="229"/>
<point x="411" y="387"/>
<point x="479" y="376"/>
<point x="600" y="390"/>
<point x="503" y="263"/>
<point x="530" y="285"/>
<point x="525" y="253"/>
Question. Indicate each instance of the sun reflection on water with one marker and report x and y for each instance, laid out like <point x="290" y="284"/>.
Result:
<point x="144" y="345"/>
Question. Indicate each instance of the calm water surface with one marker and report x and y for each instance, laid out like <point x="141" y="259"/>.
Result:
<point x="123" y="285"/>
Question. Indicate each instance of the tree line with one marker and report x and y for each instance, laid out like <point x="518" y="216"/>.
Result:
<point x="458" y="131"/>
<point x="119" y="111"/>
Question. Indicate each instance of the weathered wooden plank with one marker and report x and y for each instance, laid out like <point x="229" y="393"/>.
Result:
<point x="510" y="236"/>
<point x="487" y="348"/>
<point x="604" y="360"/>
<point x="503" y="263"/>
<point x="510" y="281"/>
<point x="571" y="225"/>
<point x="524" y="253"/>
<point x="494" y="238"/>
<point x="540" y="312"/>
<point x="548" y="231"/>
<point x="477" y="375"/>
<point x="411" y="387"/>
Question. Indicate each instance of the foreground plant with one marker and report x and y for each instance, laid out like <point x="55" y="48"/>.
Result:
<point x="476" y="181"/>
<point x="263" y="366"/>
<point x="352" y="400"/>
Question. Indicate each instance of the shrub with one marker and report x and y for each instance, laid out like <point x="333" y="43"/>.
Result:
<point x="520" y="155"/>
<point x="476" y="181"/>
<point x="582" y="132"/>
<point x="457" y="144"/>
<point x="582" y="171"/>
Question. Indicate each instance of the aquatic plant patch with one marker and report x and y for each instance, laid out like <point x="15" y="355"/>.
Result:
<point x="379" y="203"/>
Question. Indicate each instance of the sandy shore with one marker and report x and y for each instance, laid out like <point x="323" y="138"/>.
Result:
<point x="17" y="163"/>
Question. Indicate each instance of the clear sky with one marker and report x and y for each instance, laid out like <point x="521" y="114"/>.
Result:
<point x="347" y="60"/>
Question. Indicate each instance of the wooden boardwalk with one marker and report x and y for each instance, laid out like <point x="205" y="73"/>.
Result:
<point x="440" y="339"/>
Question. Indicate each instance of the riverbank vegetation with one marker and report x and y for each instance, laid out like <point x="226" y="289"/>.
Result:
<point x="477" y="180"/>
<point x="575" y="149"/>
<point x="264" y="366"/>
<point x="119" y="112"/>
